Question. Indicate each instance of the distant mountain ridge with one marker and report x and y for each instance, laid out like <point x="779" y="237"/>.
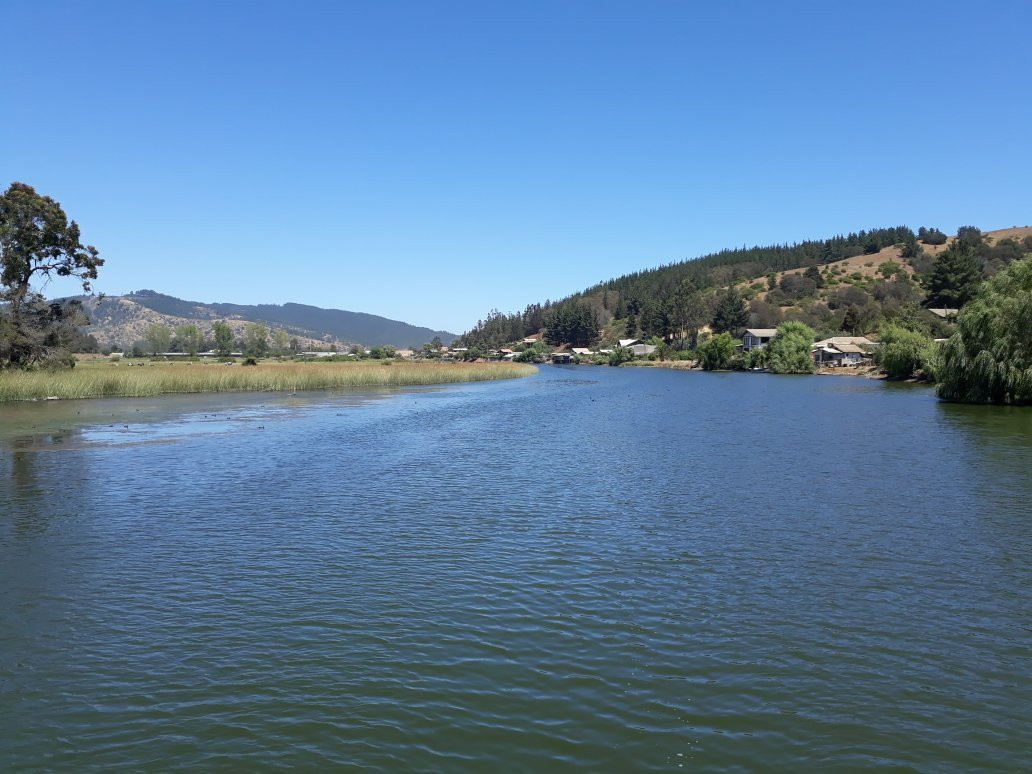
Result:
<point x="121" y="320"/>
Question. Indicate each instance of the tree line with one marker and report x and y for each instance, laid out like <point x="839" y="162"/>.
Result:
<point x="675" y="302"/>
<point x="649" y="295"/>
<point x="256" y="340"/>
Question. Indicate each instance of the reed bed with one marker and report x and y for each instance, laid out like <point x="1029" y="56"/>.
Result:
<point x="105" y="379"/>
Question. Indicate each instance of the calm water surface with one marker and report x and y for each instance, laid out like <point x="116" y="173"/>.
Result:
<point x="593" y="568"/>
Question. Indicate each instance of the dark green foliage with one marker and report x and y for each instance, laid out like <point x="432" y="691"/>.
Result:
<point x="629" y="295"/>
<point x="716" y="353"/>
<point x="814" y="275"/>
<point x="847" y="296"/>
<point x="45" y="337"/>
<point x="971" y="237"/>
<point x="572" y="323"/>
<point x="931" y="236"/>
<point x="37" y="242"/>
<point x="911" y="249"/>
<point x="730" y="314"/>
<point x="989" y="359"/>
<point x="763" y="314"/>
<point x="687" y="313"/>
<point x="631" y="327"/>
<point x="620" y="355"/>
<point x="498" y="329"/>
<point x="853" y="319"/>
<point x="796" y="286"/>
<point x="1003" y="252"/>
<point x="955" y="276"/>
<point x="653" y="319"/>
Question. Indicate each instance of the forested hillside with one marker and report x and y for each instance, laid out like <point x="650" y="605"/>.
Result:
<point x="847" y="283"/>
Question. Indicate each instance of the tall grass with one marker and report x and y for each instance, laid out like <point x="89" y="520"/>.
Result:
<point x="104" y="379"/>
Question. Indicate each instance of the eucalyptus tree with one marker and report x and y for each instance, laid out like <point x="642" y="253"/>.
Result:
<point x="280" y="342"/>
<point x="223" y="338"/>
<point x="37" y="243"/>
<point x="189" y="338"/>
<point x="159" y="338"/>
<point x="256" y="340"/>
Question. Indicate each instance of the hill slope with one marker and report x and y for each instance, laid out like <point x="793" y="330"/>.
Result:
<point x="852" y="293"/>
<point x="121" y="320"/>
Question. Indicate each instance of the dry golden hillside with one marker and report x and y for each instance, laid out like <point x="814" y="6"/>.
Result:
<point x="867" y="265"/>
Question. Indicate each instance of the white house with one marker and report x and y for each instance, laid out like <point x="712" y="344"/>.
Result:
<point x="757" y="338"/>
<point x="842" y="351"/>
<point x="641" y="350"/>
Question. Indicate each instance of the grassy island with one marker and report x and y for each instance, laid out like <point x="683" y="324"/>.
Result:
<point x="136" y="379"/>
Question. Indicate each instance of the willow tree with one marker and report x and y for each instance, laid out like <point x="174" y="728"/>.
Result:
<point x="789" y="351"/>
<point x="37" y="243"/>
<point x="989" y="358"/>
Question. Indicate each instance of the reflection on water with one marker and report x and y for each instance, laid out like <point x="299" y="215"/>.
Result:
<point x="592" y="568"/>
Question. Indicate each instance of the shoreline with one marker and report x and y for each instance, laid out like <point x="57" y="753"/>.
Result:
<point x="689" y="365"/>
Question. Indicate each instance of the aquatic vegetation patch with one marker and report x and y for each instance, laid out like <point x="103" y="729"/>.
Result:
<point x="106" y="379"/>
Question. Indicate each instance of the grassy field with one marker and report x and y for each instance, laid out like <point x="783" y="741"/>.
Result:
<point x="103" y="378"/>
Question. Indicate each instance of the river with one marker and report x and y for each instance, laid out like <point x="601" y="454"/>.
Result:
<point x="588" y="569"/>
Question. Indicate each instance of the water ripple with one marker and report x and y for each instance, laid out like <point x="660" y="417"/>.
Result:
<point x="590" y="569"/>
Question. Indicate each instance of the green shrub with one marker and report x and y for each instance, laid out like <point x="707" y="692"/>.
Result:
<point x="789" y="351"/>
<point x="739" y="361"/>
<point x="716" y="352"/>
<point x="903" y="353"/>
<point x="620" y="355"/>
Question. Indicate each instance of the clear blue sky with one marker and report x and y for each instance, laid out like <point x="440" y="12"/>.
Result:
<point x="428" y="161"/>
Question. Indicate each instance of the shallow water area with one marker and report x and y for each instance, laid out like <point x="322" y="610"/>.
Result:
<point x="68" y="424"/>
<point x="591" y="568"/>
